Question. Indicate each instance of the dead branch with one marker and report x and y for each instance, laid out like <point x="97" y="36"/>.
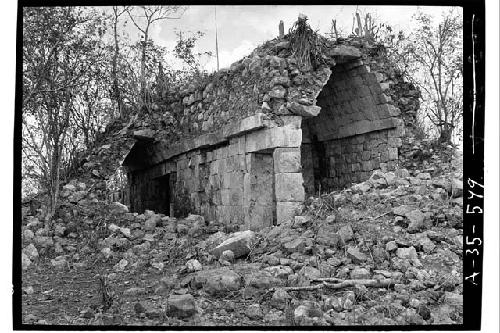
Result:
<point x="340" y="284"/>
<point x="328" y="279"/>
<point x="367" y="283"/>
<point x="315" y="287"/>
<point x="379" y="216"/>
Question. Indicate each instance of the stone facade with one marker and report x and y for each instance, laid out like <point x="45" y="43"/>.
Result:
<point x="264" y="134"/>
<point x="248" y="180"/>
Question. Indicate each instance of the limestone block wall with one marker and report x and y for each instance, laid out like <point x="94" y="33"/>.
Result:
<point x="252" y="180"/>
<point x="356" y="132"/>
<point x="352" y="159"/>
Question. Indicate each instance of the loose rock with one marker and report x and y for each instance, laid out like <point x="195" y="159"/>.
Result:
<point x="239" y="243"/>
<point x="355" y="255"/>
<point x="181" y="306"/>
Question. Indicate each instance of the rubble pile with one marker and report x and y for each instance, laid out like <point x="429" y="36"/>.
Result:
<point x="387" y="251"/>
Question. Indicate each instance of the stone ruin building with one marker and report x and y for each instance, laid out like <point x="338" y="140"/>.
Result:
<point x="260" y="137"/>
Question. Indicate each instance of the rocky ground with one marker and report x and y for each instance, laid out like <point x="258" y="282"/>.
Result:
<point x="387" y="251"/>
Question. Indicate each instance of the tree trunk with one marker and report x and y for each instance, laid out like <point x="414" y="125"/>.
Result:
<point x="143" y="71"/>
<point x="116" y="89"/>
<point x="445" y="133"/>
<point x="54" y="180"/>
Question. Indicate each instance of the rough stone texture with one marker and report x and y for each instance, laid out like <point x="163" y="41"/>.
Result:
<point x="360" y="273"/>
<point x="279" y="299"/>
<point x="323" y="128"/>
<point x="356" y="255"/>
<point x="31" y="252"/>
<point x="261" y="279"/>
<point x="407" y="253"/>
<point x="193" y="265"/>
<point x="26" y="262"/>
<point x="287" y="160"/>
<point x="239" y="243"/>
<point x="357" y="129"/>
<point x="227" y="255"/>
<point x="346" y="233"/>
<point x="289" y="187"/>
<point x="327" y="236"/>
<point x="258" y="197"/>
<point x="181" y="306"/>
<point x="217" y="281"/>
<point x="254" y="311"/>
<point x="285" y="211"/>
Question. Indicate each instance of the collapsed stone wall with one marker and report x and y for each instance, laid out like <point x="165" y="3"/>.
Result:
<point x="267" y="81"/>
<point x="265" y="132"/>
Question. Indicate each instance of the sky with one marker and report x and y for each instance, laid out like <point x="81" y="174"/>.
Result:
<point x="241" y="29"/>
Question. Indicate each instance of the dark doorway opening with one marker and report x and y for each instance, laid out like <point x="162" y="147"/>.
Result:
<point x="162" y="194"/>
<point x="320" y="163"/>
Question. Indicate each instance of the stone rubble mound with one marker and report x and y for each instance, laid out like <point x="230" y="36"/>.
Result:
<point x="387" y="251"/>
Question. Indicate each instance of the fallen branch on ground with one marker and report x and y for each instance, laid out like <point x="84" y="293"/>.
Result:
<point x="367" y="283"/>
<point x="315" y="287"/>
<point x="340" y="284"/>
<point x="379" y="216"/>
<point x="328" y="279"/>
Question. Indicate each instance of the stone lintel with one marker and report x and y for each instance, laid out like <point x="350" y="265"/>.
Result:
<point x="360" y="127"/>
<point x="344" y="53"/>
<point x="144" y="134"/>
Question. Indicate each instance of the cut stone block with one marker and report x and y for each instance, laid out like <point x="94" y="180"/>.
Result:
<point x="258" y="186"/>
<point x="304" y="110"/>
<point x="144" y="134"/>
<point x="289" y="187"/>
<point x="393" y="153"/>
<point x="285" y="136"/>
<point x="258" y="216"/>
<point x="287" y="160"/>
<point x="344" y="53"/>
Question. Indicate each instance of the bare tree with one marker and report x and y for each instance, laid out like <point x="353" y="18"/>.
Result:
<point x="143" y="17"/>
<point x="438" y="53"/>
<point x="116" y="91"/>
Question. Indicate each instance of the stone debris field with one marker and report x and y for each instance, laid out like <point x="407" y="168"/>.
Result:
<point x="386" y="251"/>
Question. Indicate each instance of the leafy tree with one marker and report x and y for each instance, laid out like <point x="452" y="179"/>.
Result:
<point x="60" y="48"/>
<point x="431" y="58"/>
<point x="81" y="71"/>
<point x="184" y="50"/>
